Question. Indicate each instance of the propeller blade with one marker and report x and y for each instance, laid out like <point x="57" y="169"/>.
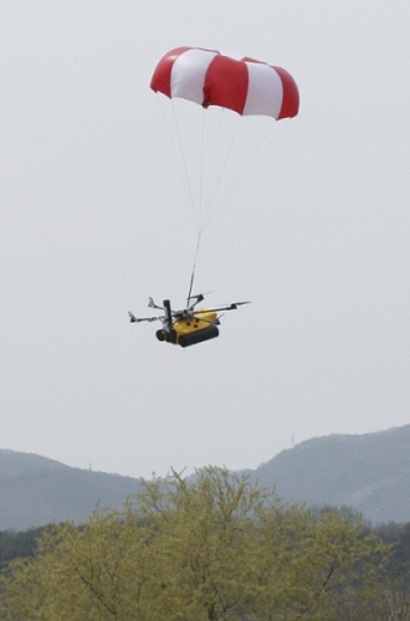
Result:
<point x="151" y="304"/>
<point x="134" y="319"/>
<point x="197" y="299"/>
<point x="229" y="307"/>
<point x="199" y="295"/>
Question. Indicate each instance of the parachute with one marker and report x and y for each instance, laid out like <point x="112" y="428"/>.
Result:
<point x="208" y="78"/>
<point x="224" y="89"/>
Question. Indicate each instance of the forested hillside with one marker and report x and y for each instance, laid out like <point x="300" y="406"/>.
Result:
<point x="369" y="473"/>
<point x="208" y="549"/>
<point x="35" y="491"/>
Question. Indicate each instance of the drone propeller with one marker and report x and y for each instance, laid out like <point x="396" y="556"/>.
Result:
<point x="228" y="307"/>
<point x="151" y="304"/>
<point x="134" y="319"/>
<point x="198" y="297"/>
<point x="170" y="315"/>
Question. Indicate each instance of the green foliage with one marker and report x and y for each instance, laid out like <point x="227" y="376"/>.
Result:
<point x="213" y="548"/>
<point x="396" y="589"/>
<point x="15" y="545"/>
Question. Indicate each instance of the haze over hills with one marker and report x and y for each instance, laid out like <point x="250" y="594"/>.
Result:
<point x="370" y="473"/>
<point x="35" y="491"/>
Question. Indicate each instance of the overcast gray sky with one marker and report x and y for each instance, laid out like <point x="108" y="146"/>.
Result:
<point x="94" y="219"/>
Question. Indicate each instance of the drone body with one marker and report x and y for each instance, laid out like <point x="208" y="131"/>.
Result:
<point x="198" y="326"/>
<point x="188" y="326"/>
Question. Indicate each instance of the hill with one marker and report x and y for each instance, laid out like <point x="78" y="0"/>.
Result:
<point x="36" y="490"/>
<point x="369" y="473"/>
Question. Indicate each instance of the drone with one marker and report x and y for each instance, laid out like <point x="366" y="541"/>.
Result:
<point x="188" y="326"/>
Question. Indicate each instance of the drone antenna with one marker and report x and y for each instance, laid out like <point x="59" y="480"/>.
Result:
<point x="191" y="282"/>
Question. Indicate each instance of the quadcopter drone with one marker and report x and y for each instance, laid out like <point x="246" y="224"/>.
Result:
<point x="188" y="326"/>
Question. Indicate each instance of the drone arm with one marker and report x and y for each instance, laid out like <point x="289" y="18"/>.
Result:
<point x="134" y="319"/>
<point x="229" y="307"/>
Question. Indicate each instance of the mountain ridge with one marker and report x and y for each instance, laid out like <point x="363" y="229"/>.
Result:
<point x="36" y="490"/>
<point x="369" y="473"/>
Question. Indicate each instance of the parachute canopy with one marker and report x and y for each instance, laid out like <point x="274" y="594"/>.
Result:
<point x="207" y="77"/>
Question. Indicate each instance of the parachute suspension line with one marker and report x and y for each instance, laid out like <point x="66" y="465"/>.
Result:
<point x="257" y="149"/>
<point x="261" y="144"/>
<point x="177" y="151"/>
<point x="207" y="159"/>
<point x="201" y="175"/>
<point x="191" y="282"/>
<point x="215" y="176"/>
<point x="185" y="166"/>
<point x="213" y="205"/>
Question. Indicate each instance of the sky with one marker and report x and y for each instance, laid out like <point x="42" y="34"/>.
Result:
<point x="95" y="218"/>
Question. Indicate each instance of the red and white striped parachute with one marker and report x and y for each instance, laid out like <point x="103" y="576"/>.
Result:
<point x="207" y="77"/>
<point x="214" y="148"/>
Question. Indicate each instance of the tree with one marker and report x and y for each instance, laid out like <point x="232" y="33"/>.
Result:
<point x="18" y="544"/>
<point x="396" y="588"/>
<point x="208" y="548"/>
